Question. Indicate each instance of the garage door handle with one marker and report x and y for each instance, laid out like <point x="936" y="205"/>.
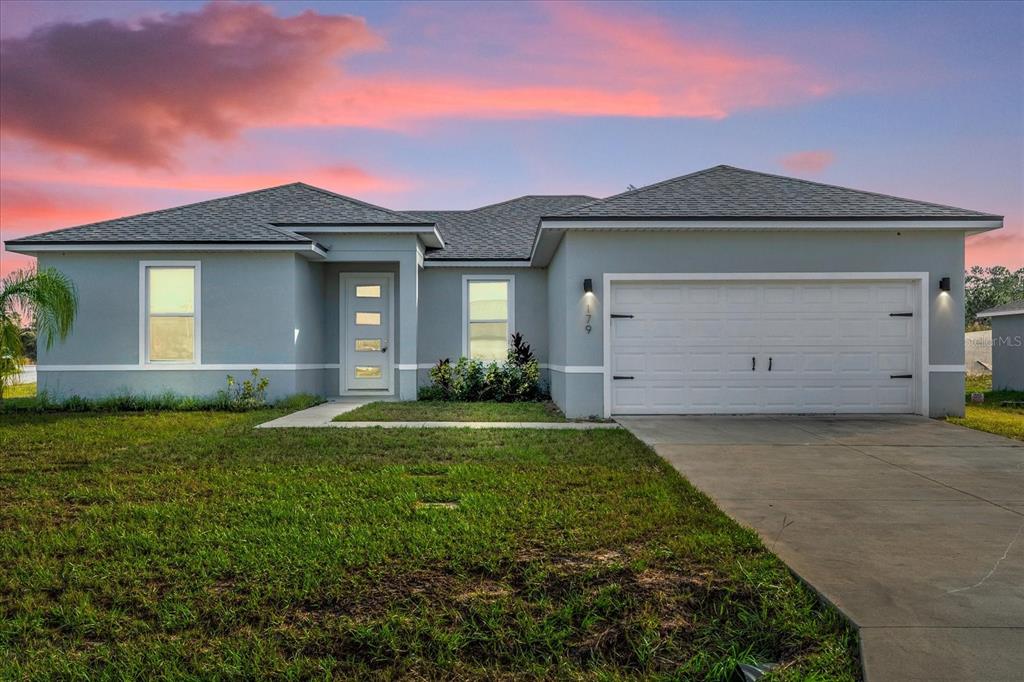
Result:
<point x="616" y="316"/>
<point x="901" y="314"/>
<point x="617" y="377"/>
<point x="769" y="364"/>
<point x="901" y="376"/>
<point x="753" y="364"/>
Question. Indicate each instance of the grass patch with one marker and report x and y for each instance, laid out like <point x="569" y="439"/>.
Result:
<point x="19" y="391"/>
<point x="991" y="415"/>
<point x="192" y="545"/>
<point x="443" y="411"/>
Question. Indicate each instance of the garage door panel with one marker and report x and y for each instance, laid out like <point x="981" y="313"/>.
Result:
<point x="833" y="347"/>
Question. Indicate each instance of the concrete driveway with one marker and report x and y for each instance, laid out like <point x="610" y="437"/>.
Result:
<point x="912" y="527"/>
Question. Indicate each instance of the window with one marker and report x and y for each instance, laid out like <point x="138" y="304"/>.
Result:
<point x="488" y="305"/>
<point x="170" y="320"/>
<point x="367" y="291"/>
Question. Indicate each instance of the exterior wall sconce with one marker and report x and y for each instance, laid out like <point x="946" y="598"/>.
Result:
<point x="588" y="285"/>
<point x="944" y="284"/>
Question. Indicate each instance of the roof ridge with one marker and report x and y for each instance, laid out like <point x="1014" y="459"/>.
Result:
<point x="173" y="208"/>
<point x="650" y="186"/>
<point x="852" y="189"/>
<point x="360" y="202"/>
<point x="529" y="196"/>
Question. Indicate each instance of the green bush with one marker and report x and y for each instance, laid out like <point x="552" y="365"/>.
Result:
<point x="515" y="380"/>
<point x="251" y="394"/>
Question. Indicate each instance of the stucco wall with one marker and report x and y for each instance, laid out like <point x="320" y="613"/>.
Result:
<point x="249" y="317"/>
<point x="1008" y="352"/>
<point x="440" y="329"/>
<point x="594" y="253"/>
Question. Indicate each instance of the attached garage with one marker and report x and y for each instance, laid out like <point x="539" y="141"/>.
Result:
<point x="679" y="344"/>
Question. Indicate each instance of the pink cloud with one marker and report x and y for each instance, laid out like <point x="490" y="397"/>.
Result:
<point x="814" y="161"/>
<point x="135" y="93"/>
<point x="1002" y="247"/>
<point x="341" y="178"/>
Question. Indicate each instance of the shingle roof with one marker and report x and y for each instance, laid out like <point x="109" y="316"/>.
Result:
<point x="729" y="192"/>
<point x="1012" y="307"/>
<point x="502" y="231"/>
<point x="249" y="217"/>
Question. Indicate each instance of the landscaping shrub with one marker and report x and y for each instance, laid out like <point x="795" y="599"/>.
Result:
<point x="251" y="394"/>
<point x="515" y="380"/>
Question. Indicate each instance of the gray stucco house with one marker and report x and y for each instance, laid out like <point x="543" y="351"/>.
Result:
<point x="721" y="291"/>
<point x="1007" y="345"/>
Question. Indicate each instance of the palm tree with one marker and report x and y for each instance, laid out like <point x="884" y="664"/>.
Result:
<point x="46" y="296"/>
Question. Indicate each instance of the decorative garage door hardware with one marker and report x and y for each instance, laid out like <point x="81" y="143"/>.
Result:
<point x="621" y="377"/>
<point x="616" y="316"/>
<point x="901" y="314"/>
<point x="901" y="376"/>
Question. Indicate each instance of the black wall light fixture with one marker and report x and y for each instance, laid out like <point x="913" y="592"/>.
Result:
<point x="944" y="284"/>
<point x="588" y="286"/>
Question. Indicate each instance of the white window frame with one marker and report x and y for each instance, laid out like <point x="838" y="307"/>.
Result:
<point x="197" y="312"/>
<point x="466" y="279"/>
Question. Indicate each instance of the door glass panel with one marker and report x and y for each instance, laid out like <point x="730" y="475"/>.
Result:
<point x="171" y="338"/>
<point x="488" y="300"/>
<point x="368" y="344"/>
<point x="488" y="341"/>
<point x="368" y="318"/>
<point x="368" y="291"/>
<point x="368" y="372"/>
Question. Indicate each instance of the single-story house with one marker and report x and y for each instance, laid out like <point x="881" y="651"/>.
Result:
<point x="721" y="291"/>
<point x="1007" y="345"/>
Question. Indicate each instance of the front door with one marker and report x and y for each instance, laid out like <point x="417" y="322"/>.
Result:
<point x="366" y="343"/>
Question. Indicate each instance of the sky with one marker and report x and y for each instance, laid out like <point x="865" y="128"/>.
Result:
<point x="114" y="108"/>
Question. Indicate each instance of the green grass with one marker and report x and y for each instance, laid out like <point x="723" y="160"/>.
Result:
<point x="189" y="545"/>
<point x="20" y="391"/>
<point x="441" y="411"/>
<point x="991" y="415"/>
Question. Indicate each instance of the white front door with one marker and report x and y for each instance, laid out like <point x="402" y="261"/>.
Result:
<point x="366" y="350"/>
<point x="748" y="347"/>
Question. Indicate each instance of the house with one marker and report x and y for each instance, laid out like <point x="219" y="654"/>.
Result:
<point x="1007" y="345"/>
<point x="721" y="291"/>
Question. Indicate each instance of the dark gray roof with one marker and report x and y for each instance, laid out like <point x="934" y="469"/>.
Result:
<point x="735" y="193"/>
<point x="1010" y="307"/>
<point x="503" y="231"/>
<point x="251" y="217"/>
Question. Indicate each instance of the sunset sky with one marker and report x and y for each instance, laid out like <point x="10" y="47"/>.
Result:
<point x="113" y="108"/>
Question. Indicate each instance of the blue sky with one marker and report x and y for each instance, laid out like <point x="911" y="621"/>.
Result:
<point x="454" y="105"/>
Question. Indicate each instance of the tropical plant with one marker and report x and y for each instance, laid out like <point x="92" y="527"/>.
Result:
<point x="515" y="380"/>
<point x="250" y="394"/>
<point x="47" y="298"/>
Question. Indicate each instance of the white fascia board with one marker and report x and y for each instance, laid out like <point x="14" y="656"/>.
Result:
<point x="770" y="224"/>
<point x="307" y="249"/>
<point x="476" y="263"/>
<point x="427" y="233"/>
<point x="550" y="232"/>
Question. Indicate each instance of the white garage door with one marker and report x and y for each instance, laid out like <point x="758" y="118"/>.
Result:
<point x="748" y="347"/>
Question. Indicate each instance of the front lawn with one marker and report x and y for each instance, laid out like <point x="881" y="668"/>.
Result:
<point x="20" y="391"/>
<point x="442" y="411"/>
<point x="188" y="544"/>
<point x="991" y="415"/>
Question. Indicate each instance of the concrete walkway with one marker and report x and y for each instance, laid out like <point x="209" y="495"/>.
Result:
<point x="321" y="416"/>
<point x="912" y="527"/>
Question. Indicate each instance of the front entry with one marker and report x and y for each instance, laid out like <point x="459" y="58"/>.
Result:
<point x="366" y="348"/>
